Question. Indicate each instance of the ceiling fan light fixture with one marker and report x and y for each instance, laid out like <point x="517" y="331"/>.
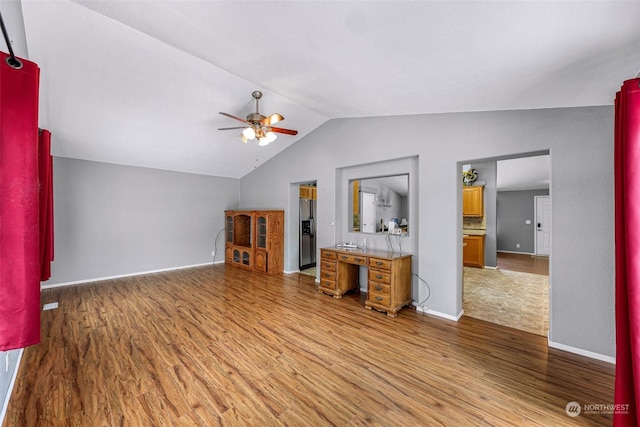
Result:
<point x="258" y="126"/>
<point x="267" y="139"/>
<point x="249" y="133"/>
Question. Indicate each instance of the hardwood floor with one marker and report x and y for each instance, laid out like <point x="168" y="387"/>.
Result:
<point x="221" y="346"/>
<point x="523" y="263"/>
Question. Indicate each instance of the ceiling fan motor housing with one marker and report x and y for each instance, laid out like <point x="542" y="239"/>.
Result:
<point x="255" y="118"/>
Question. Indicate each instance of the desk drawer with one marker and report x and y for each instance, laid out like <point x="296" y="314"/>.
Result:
<point x="328" y="275"/>
<point x="328" y="255"/>
<point x="380" y="263"/>
<point x="327" y="266"/>
<point x="381" y="276"/>
<point x="380" y="299"/>
<point x="379" y="288"/>
<point x="353" y="259"/>
<point x="328" y="284"/>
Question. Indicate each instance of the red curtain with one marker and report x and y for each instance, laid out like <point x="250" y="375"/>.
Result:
<point x="20" y="267"/>
<point x="45" y="177"/>
<point x="627" y="237"/>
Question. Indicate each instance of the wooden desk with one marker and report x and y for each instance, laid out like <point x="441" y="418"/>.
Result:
<point x="389" y="278"/>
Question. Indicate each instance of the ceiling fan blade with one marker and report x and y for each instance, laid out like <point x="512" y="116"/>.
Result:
<point x="283" y="130"/>
<point x="272" y="119"/>
<point x="234" y="117"/>
<point x="238" y="127"/>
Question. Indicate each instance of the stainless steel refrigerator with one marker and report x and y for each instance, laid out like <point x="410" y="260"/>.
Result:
<point x="307" y="233"/>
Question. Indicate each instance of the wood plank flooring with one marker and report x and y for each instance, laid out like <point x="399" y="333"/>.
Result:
<point x="523" y="263"/>
<point x="220" y="346"/>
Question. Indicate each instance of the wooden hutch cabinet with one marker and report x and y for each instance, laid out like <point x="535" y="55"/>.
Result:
<point x="255" y="240"/>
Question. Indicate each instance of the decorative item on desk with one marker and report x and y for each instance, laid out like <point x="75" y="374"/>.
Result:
<point x="392" y="225"/>
<point x="404" y="225"/>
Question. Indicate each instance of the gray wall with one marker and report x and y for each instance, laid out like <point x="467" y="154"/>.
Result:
<point x="578" y="139"/>
<point x="513" y="209"/>
<point x="113" y="220"/>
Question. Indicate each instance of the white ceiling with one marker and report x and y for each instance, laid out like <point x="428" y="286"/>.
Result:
<point x="141" y="82"/>
<point x="527" y="173"/>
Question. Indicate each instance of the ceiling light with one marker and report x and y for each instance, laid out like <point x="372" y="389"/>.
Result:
<point x="267" y="139"/>
<point x="249" y="133"/>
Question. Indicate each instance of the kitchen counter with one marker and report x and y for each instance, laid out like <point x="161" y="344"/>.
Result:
<point x="474" y="232"/>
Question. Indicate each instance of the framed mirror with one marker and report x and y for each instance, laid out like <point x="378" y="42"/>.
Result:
<point x="376" y="204"/>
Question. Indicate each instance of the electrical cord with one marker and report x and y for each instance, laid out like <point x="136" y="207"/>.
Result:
<point x="421" y="304"/>
<point x="215" y="244"/>
<point x="398" y="241"/>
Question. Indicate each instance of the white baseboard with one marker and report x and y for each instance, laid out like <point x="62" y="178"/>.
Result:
<point x="582" y="352"/>
<point x="514" y="252"/>
<point x="5" y="404"/>
<point x="100" y="279"/>
<point x="439" y="314"/>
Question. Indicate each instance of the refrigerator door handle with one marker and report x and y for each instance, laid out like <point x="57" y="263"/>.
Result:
<point x="313" y="226"/>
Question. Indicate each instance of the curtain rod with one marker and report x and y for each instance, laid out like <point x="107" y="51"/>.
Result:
<point x="12" y="61"/>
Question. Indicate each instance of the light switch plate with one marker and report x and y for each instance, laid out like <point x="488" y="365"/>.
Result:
<point x="527" y="221"/>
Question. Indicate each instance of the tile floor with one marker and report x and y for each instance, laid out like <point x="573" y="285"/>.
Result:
<point x="511" y="298"/>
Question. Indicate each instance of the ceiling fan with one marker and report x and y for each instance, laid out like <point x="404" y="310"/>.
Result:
<point x="258" y="126"/>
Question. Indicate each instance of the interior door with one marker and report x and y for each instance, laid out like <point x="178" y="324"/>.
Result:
<point x="543" y="225"/>
<point x="368" y="215"/>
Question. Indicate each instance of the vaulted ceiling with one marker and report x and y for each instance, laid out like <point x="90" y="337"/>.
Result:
<point x="141" y="82"/>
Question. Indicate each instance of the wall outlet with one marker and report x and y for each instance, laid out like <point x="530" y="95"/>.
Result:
<point x="50" y="306"/>
<point x="213" y="254"/>
<point x="517" y="245"/>
<point x="527" y="221"/>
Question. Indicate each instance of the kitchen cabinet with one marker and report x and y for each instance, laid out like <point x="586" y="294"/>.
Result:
<point x="473" y="201"/>
<point x="255" y="240"/>
<point x="473" y="251"/>
<point x="309" y="192"/>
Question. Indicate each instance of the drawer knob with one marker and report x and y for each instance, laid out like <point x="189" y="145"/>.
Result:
<point x="327" y="275"/>
<point x="378" y="298"/>
<point x="344" y="257"/>
<point x="378" y="263"/>
<point x="378" y="276"/>
<point x="358" y="259"/>
<point x="378" y="288"/>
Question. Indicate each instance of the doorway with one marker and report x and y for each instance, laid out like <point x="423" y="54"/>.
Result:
<point x="514" y="290"/>
<point x="307" y="213"/>
<point x="368" y="212"/>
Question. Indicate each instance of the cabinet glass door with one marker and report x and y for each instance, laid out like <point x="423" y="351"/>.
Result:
<point x="230" y="229"/>
<point x="262" y="232"/>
